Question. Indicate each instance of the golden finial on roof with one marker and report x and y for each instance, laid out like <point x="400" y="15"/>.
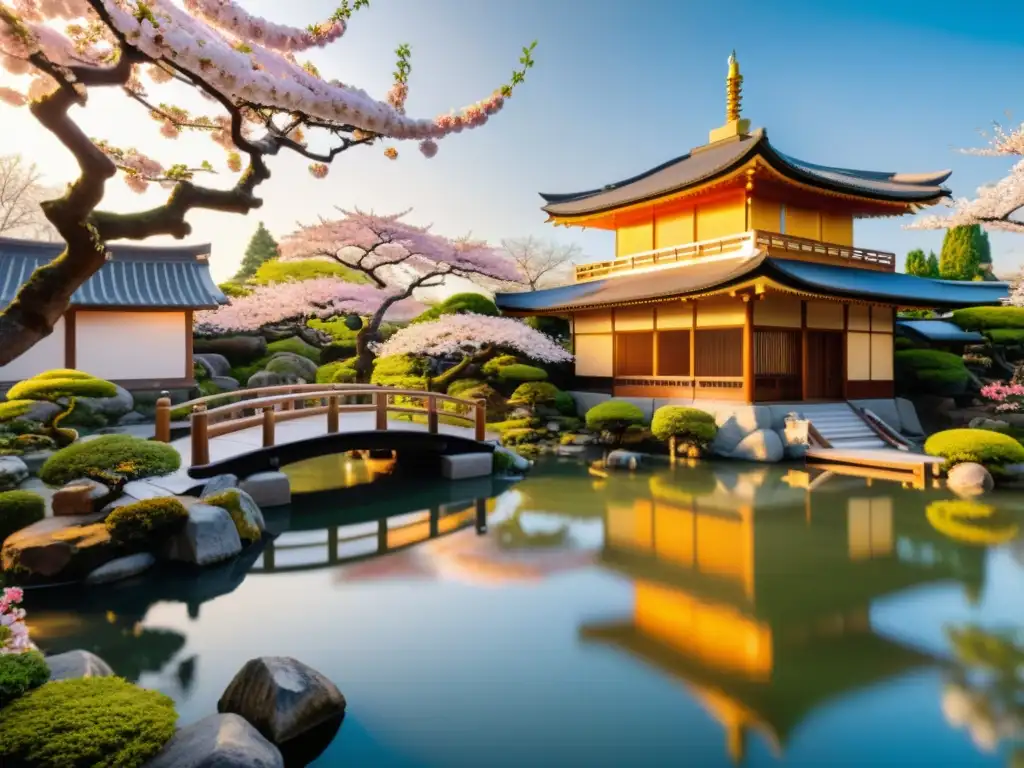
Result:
<point x="733" y="88"/>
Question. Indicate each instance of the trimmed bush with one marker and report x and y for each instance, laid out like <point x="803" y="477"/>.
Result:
<point x="522" y="436"/>
<point x="124" y="455"/>
<point x="520" y="372"/>
<point x="496" y="403"/>
<point x="91" y="722"/>
<point x="461" y="304"/>
<point x="229" y="500"/>
<point x="19" y="509"/>
<point x="1006" y="335"/>
<point x="534" y="393"/>
<point x="493" y="366"/>
<point x="400" y="372"/>
<point x="340" y="332"/>
<point x="565" y="403"/>
<point x="234" y="290"/>
<point x="50" y="387"/>
<point x="338" y="350"/>
<point x="983" y="446"/>
<point x="338" y="372"/>
<point x="503" y="426"/>
<point x="295" y="345"/>
<point x="929" y="371"/>
<point x="12" y="409"/>
<point x="64" y="373"/>
<point x="146" y="522"/>
<point x="277" y="271"/>
<point x="690" y="428"/>
<point x="457" y="387"/>
<point x="20" y="673"/>
<point x="614" y="417"/>
<point x="987" y="318"/>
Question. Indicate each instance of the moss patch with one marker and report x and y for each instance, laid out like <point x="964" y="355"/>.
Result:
<point x="20" y="673"/>
<point x="400" y="372"/>
<point x="95" y="722"/>
<point x="146" y="522"/>
<point x="493" y="366"/>
<point x="129" y="457"/>
<point x="231" y="501"/>
<point x="19" y="509"/>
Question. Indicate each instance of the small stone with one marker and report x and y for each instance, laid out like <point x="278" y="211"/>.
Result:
<point x="218" y="484"/>
<point x="218" y="741"/>
<point x="282" y="697"/>
<point x="12" y="472"/>
<point x="268" y="489"/>
<point x="75" y="664"/>
<point x="969" y="479"/>
<point x="121" y="568"/>
<point x="79" y="497"/>
<point x="208" y="537"/>
<point x="620" y="459"/>
<point x="554" y="426"/>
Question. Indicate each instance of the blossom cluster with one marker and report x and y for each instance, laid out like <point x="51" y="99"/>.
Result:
<point x="467" y="333"/>
<point x="1010" y="397"/>
<point x="323" y="297"/>
<point x="231" y="17"/>
<point x="13" y="629"/>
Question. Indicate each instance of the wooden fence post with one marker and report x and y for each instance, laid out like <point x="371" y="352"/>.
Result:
<point x="332" y="414"/>
<point x="481" y="419"/>
<point x="163" y="419"/>
<point x="382" y="409"/>
<point x="431" y="414"/>
<point x="287" y="405"/>
<point x="268" y="426"/>
<point x="200" y="440"/>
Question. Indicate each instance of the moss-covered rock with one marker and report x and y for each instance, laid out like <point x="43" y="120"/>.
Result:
<point x="931" y="372"/>
<point x="19" y="509"/>
<point x="230" y="500"/>
<point x="496" y="405"/>
<point x="123" y="455"/>
<point x="400" y="372"/>
<point x="533" y="393"/>
<point x="521" y="372"/>
<point x="146" y="523"/>
<point x="94" y="722"/>
<point x="457" y="387"/>
<point x="291" y="364"/>
<point x="296" y="346"/>
<point x="523" y="436"/>
<point x="993" y="450"/>
<point x="20" y="673"/>
<point x="58" y="549"/>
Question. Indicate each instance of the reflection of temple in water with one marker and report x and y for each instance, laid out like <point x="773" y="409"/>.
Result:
<point x="764" y="616"/>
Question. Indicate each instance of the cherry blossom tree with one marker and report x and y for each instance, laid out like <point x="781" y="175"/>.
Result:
<point x="265" y="101"/>
<point x="398" y="258"/>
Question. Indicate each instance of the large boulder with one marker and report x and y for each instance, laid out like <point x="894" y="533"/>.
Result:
<point x="41" y="410"/>
<point x="225" y="383"/>
<point x="763" y="445"/>
<point x="239" y="350"/>
<point x="265" y="489"/>
<point x="64" y="548"/>
<point x="209" y="536"/>
<point x="12" y="472"/>
<point x="121" y="568"/>
<point x="262" y="379"/>
<point x="75" y="664"/>
<point x="218" y="741"/>
<point x="738" y="422"/>
<point x="111" y="408"/>
<point x="291" y="364"/>
<point x="283" y="698"/>
<point x="214" y="364"/>
<point x="969" y="479"/>
<point x="219" y="483"/>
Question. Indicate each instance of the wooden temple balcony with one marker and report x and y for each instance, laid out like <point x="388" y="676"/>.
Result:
<point x="773" y="243"/>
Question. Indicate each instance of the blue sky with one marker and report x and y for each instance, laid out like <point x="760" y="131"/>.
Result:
<point x="618" y="88"/>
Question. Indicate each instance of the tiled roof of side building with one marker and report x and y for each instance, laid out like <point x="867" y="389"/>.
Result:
<point x="799" y="276"/>
<point x="712" y="161"/>
<point x="134" y="276"/>
<point x="941" y="331"/>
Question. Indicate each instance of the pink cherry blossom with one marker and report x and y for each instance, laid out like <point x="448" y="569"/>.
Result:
<point x="456" y="334"/>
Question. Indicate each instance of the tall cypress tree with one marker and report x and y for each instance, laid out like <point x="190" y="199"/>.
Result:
<point x="917" y="263"/>
<point x="960" y="258"/>
<point x="933" y="265"/>
<point x="262" y="247"/>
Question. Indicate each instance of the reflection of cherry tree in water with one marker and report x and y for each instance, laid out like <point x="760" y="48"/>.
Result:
<point x="985" y="690"/>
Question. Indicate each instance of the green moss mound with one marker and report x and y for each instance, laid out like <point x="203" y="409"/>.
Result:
<point x="614" y="416"/>
<point x="338" y="372"/>
<point x="680" y="422"/>
<point x="983" y="446"/>
<point x="988" y="318"/>
<point x="277" y="271"/>
<point x="146" y="522"/>
<point x="230" y="500"/>
<point x="400" y="372"/>
<point x="457" y="387"/>
<point x="493" y="366"/>
<point x="51" y="386"/>
<point x="234" y="290"/>
<point x="929" y="371"/>
<point x="521" y="372"/>
<point x="92" y="722"/>
<point x="19" y="509"/>
<point x="13" y="409"/>
<point x="129" y="457"/>
<point x="341" y="333"/>
<point x="20" y="673"/>
<point x="1006" y="335"/>
<point x="295" y="345"/>
<point x="461" y="304"/>
<point x="534" y="393"/>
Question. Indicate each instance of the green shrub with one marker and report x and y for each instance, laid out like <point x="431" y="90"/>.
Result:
<point x="987" y="318"/>
<point x="556" y="327"/>
<point x="127" y="456"/>
<point x="231" y="501"/>
<point x="234" y="290"/>
<point x="1006" y="335"/>
<point x="146" y="522"/>
<point x="992" y="449"/>
<point x="614" y="417"/>
<point x="520" y="372"/>
<point x="19" y="509"/>
<point x="460" y="304"/>
<point x="64" y="373"/>
<point x="338" y="350"/>
<point x="207" y="388"/>
<point x="503" y="462"/>
<point x="336" y="327"/>
<point x="902" y="342"/>
<point x="534" y="393"/>
<point x="493" y="366"/>
<point x="277" y="271"/>
<point x="199" y="372"/>
<point x="523" y="436"/>
<point x="295" y="345"/>
<point x="45" y="387"/>
<point x="242" y="373"/>
<point x="690" y="426"/>
<point x="929" y="371"/>
<point x="338" y="372"/>
<point x="91" y="722"/>
<point x="496" y="405"/>
<point x="400" y="372"/>
<point x="565" y="403"/>
<point x="20" y="673"/>
<point x="12" y="409"/>
<point x="463" y="385"/>
<point x="502" y="426"/>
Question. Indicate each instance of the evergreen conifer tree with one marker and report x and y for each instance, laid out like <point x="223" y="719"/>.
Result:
<point x="933" y="265"/>
<point x="960" y="258"/>
<point x="917" y="263"/>
<point x="262" y="247"/>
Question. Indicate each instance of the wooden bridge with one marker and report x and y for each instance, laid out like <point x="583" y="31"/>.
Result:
<point x="247" y="430"/>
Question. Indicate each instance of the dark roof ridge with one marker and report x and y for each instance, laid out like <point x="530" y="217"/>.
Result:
<point x="118" y="251"/>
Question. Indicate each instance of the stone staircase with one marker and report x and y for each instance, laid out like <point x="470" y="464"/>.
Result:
<point x="841" y="426"/>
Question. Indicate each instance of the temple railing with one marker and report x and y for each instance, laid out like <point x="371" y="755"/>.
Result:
<point x="774" y="243"/>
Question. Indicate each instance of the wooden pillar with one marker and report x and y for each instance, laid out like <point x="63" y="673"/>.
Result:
<point x="481" y="516"/>
<point x="693" y="350"/>
<point x="189" y="373"/>
<point x="481" y="419"/>
<point x="846" y="350"/>
<point x="333" y="414"/>
<point x="431" y="414"/>
<point x="287" y="405"/>
<point x="163" y="419"/>
<point x="805" y="360"/>
<point x="748" y="351"/>
<point x="381" y="398"/>
<point x="200" y="438"/>
<point x="268" y="426"/>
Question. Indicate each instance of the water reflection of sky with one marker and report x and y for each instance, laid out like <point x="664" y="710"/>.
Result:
<point x="448" y="671"/>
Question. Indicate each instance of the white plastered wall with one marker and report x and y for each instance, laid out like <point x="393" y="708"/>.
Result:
<point x="46" y="355"/>
<point x="131" y="345"/>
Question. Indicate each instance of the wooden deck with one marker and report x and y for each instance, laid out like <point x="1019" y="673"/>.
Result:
<point x="878" y="463"/>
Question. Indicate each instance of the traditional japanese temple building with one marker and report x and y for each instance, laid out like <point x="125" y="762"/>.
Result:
<point x="736" y="276"/>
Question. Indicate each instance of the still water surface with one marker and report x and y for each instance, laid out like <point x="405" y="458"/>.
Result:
<point x="702" y="616"/>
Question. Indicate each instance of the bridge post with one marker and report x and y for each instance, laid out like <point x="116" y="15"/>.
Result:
<point x="163" y="419"/>
<point x="431" y="414"/>
<point x="287" y="405"/>
<point x="268" y="426"/>
<point x="200" y="439"/>
<point x="381" y="397"/>
<point x="481" y="419"/>
<point x="332" y="414"/>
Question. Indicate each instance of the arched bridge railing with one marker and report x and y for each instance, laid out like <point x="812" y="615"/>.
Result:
<point x="247" y="408"/>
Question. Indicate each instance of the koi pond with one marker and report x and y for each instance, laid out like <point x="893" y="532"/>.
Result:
<point x="690" y="615"/>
